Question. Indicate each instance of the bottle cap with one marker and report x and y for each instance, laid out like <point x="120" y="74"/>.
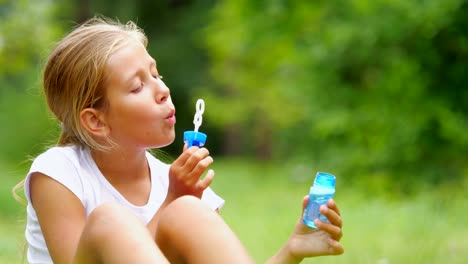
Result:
<point x="325" y="179"/>
<point x="194" y="138"/>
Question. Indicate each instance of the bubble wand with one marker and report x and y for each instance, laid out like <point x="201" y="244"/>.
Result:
<point x="195" y="138"/>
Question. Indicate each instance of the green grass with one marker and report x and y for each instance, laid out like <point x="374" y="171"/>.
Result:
<point x="11" y="240"/>
<point x="263" y="202"/>
<point x="12" y="220"/>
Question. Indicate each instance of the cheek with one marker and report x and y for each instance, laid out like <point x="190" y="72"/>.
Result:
<point x="132" y="112"/>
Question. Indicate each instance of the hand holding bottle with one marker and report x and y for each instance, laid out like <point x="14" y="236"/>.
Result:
<point x="324" y="240"/>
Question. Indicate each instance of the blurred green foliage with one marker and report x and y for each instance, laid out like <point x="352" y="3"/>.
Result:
<point x="27" y="31"/>
<point x="356" y="88"/>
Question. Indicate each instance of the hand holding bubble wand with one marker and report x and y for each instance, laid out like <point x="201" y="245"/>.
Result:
<point x="195" y="138"/>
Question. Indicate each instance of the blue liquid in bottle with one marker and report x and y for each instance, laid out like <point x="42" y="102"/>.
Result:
<point x="321" y="191"/>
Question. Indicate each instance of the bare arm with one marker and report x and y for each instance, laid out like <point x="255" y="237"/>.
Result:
<point x="61" y="216"/>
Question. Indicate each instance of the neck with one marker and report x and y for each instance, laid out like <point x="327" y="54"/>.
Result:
<point x="122" y="166"/>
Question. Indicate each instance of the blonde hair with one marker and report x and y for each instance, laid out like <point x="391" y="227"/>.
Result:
<point x="75" y="72"/>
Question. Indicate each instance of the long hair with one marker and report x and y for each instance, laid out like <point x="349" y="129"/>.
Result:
<point x="75" y="72"/>
<point x="76" y="69"/>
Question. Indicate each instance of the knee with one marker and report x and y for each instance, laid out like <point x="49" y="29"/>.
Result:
<point x="185" y="207"/>
<point x="182" y="213"/>
<point x="106" y="214"/>
<point x="177" y="219"/>
<point x="185" y="203"/>
<point x="105" y="219"/>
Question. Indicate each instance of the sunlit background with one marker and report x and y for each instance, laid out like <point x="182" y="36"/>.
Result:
<point x="375" y="92"/>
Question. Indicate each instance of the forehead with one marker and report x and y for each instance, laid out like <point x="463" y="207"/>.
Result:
<point x="126" y="60"/>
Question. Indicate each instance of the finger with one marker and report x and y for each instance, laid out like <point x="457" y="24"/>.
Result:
<point x="201" y="167"/>
<point x="305" y="201"/>
<point x="332" y="205"/>
<point x="331" y="215"/>
<point x="182" y="159"/>
<point x="198" y="155"/>
<point x="203" y="184"/>
<point x="334" y="231"/>
<point x="185" y="147"/>
<point x="335" y="247"/>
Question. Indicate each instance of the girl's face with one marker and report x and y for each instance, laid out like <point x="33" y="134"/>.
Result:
<point x="140" y="112"/>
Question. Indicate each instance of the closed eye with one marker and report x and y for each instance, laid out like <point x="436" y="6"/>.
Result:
<point x="137" y="89"/>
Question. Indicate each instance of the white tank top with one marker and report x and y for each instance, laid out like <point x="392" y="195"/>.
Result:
<point x="74" y="167"/>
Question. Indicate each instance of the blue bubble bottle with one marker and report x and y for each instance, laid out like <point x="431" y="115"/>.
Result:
<point x="321" y="191"/>
<point x="196" y="138"/>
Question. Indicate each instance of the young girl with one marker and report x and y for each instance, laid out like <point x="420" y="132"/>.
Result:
<point x="100" y="197"/>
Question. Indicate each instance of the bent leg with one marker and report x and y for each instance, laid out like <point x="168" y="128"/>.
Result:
<point x="114" y="235"/>
<point x="190" y="232"/>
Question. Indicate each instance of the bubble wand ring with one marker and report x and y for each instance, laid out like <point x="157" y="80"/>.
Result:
<point x="198" y="118"/>
<point x="196" y="138"/>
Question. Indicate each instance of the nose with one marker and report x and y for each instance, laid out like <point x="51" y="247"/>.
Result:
<point x="162" y="92"/>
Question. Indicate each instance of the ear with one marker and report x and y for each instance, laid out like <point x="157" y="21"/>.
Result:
<point x="93" y="121"/>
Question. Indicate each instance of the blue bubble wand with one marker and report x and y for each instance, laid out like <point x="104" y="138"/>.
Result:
<point x="195" y="138"/>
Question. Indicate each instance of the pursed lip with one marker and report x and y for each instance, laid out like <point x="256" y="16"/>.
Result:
<point x="171" y="117"/>
<point x="171" y="113"/>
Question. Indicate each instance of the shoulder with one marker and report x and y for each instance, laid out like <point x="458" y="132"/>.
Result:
<point x="62" y="164"/>
<point x="58" y="162"/>
<point x="56" y="156"/>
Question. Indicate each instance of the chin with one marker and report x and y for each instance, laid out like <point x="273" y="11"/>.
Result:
<point x="165" y="144"/>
